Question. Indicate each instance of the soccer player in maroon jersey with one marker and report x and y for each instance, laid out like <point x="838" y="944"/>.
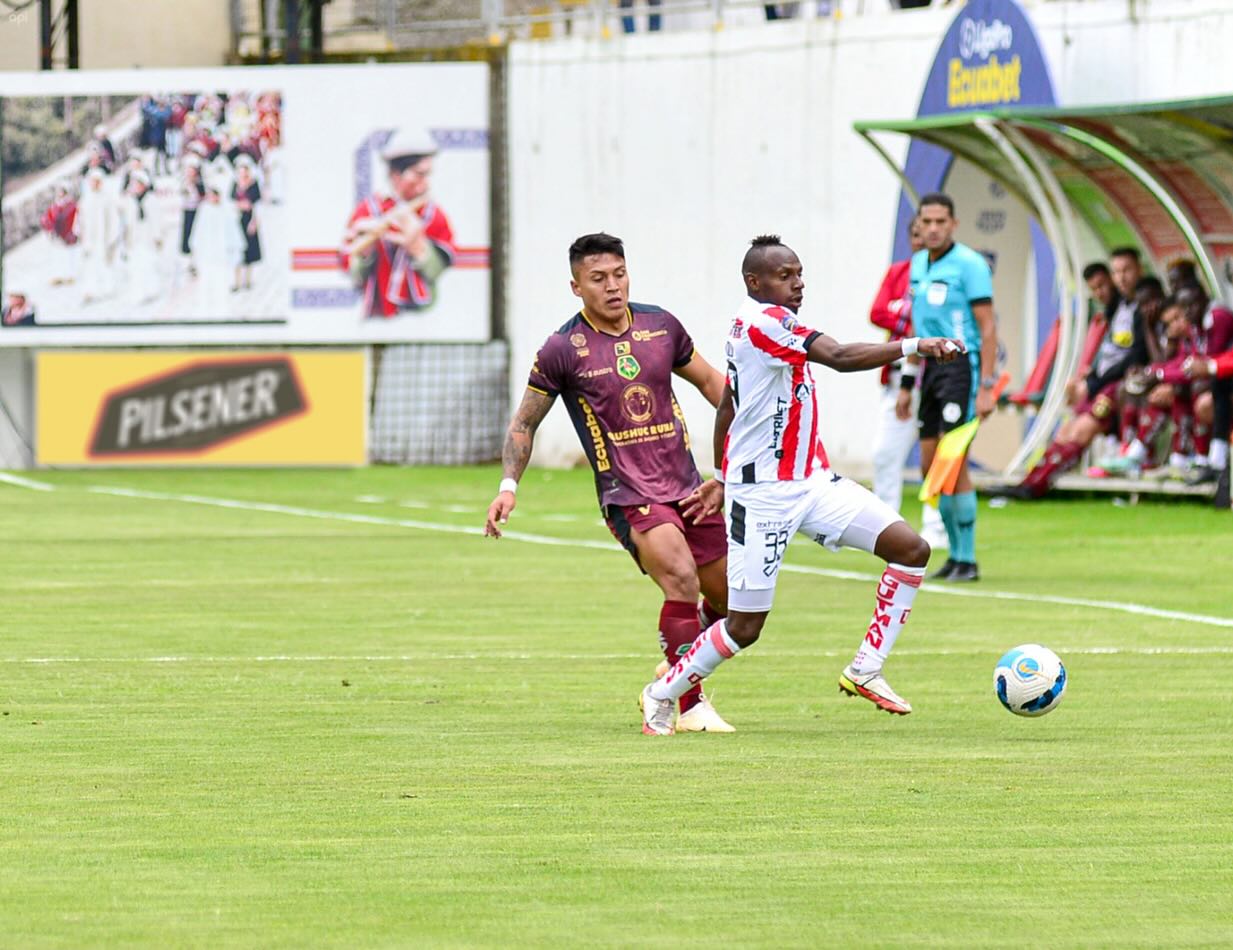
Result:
<point x="612" y="364"/>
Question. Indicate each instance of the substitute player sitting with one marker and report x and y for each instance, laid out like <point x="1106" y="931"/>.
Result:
<point x="612" y="363"/>
<point x="764" y="434"/>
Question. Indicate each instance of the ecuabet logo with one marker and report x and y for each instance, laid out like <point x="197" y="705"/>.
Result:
<point x="197" y="407"/>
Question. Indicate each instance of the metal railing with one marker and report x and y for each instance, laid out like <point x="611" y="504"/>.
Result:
<point x="376" y="26"/>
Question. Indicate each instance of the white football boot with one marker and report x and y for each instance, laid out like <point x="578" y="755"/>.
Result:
<point x="873" y="687"/>
<point x="657" y="714"/>
<point x="703" y="717"/>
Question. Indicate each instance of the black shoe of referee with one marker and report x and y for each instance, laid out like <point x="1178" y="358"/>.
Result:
<point x="944" y="572"/>
<point x="964" y="571"/>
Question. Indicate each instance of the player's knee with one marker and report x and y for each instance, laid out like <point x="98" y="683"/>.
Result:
<point x="744" y="629"/>
<point x="916" y="552"/>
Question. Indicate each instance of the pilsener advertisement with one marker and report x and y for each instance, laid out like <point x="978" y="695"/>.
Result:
<point x="201" y="407"/>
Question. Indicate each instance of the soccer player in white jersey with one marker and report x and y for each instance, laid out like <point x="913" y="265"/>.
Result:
<point x="765" y="435"/>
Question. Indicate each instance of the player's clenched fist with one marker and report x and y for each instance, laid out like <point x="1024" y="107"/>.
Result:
<point x="498" y="513"/>
<point x="941" y="348"/>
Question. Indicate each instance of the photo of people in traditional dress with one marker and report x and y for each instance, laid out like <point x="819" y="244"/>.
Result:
<point x="159" y="208"/>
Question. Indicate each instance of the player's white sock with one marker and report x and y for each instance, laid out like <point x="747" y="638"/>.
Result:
<point x="712" y="647"/>
<point x="1218" y="454"/>
<point x="896" y="591"/>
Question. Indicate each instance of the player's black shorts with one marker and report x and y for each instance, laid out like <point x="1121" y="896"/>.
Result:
<point x="947" y="397"/>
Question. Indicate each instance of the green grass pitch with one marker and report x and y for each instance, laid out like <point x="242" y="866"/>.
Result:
<point x="304" y="718"/>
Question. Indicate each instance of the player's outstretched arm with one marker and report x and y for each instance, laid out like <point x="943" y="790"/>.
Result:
<point x="706" y="378"/>
<point x="519" y="438"/>
<point x="852" y="357"/>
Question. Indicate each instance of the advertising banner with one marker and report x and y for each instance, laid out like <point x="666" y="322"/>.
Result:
<point x="201" y="407"/>
<point x="269" y="205"/>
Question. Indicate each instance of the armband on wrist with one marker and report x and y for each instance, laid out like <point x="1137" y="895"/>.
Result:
<point x="509" y="485"/>
<point x="1211" y="367"/>
<point x="988" y="382"/>
<point x="907" y="375"/>
<point x="910" y="345"/>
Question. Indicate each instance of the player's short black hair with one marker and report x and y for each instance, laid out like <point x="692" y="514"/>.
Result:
<point x="599" y="243"/>
<point x="1184" y="265"/>
<point x="938" y="198"/>
<point x="755" y="257"/>
<point x="1094" y="268"/>
<point x="1126" y="251"/>
<point x="1151" y="284"/>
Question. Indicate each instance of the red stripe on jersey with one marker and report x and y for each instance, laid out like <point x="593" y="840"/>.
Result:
<point x="792" y="434"/>
<point x="813" y="434"/>
<point x="771" y="348"/>
<point x="723" y="463"/>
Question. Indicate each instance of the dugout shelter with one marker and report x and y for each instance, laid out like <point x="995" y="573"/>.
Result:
<point x="1157" y="176"/>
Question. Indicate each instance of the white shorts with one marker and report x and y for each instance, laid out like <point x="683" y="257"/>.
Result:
<point x="762" y="518"/>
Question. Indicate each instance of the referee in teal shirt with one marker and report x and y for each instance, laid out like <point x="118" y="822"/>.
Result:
<point x="952" y="296"/>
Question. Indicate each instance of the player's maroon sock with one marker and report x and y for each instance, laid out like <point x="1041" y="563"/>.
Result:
<point x="1151" y="420"/>
<point x="1202" y="439"/>
<point x="1058" y="458"/>
<point x="678" y="629"/>
<point x="708" y="614"/>
<point x="1128" y="423"/>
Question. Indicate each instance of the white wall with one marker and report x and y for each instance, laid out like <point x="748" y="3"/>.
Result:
<point x="688" y="144"/>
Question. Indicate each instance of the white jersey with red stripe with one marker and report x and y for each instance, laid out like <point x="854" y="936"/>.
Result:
<point x="774" y="433"/>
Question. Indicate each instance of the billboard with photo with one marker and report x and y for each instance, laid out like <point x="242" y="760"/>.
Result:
<point x="304" y="204"/>
<point x="202" y="407"/>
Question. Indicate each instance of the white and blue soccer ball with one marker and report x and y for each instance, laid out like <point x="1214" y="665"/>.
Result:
<point x="1030" y="680"/>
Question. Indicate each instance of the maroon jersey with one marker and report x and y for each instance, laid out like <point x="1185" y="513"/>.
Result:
<point x="618" y="391"/>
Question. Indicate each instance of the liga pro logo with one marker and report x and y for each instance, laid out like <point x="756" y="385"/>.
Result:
<point x="197" y="407"/>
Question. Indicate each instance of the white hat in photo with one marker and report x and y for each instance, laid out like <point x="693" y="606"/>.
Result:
<point x="407" y="143"/>
<point x="100" y="130"/>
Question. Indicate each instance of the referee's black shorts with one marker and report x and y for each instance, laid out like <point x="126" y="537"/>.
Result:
<point x="947" y="397"/>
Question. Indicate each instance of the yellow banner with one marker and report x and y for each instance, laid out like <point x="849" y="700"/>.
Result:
<point x="202" y="407"/>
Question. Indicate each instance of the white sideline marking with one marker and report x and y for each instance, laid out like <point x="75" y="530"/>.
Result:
<point x="984" y="593"/>
<point x="25" y="482"/>
<point x="549" y="656"/>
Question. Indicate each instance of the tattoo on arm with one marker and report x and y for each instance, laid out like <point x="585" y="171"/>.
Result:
<point x="520" y="435"/>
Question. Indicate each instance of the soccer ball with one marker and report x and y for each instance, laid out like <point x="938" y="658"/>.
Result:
<point x="1030" y="680"/>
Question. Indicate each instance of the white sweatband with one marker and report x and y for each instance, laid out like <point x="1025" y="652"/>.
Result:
<point x="911" y="345"/>
<point x="719" y="475"/>
<point x="909" y="369"/>
<point x="509" y="485"/>
<point x="1211" y="367"/>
